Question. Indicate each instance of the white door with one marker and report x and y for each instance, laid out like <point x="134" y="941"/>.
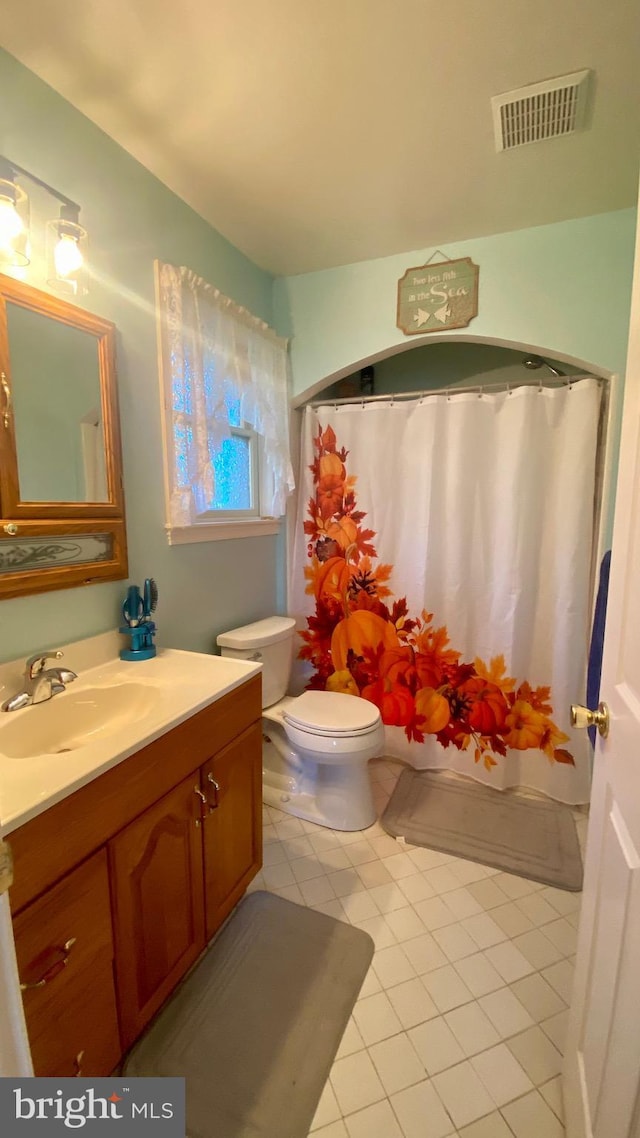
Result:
<point x="602" y="1064"/>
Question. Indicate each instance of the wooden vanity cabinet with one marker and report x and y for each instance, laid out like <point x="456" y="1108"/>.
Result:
<point x="158" y="913"/>
<point x="146" y="861"/>
<point x="232" y="824"/>
<point x="64" y="948"/>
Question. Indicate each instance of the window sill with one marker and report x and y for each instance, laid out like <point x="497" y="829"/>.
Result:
<point x="222" y="531"/>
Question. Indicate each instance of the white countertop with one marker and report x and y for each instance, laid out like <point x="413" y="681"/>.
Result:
<point x="178" y="683"/>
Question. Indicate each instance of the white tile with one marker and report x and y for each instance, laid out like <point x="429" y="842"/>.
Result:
<point x="412" y="1002"/>
<point x="487" y="893"/>
<point x="360" y="852"/>
<point x="345" y="881"/>
<point x="511" y="919"/>
<point x="329" y="908"/>
<point x="552" y="1094"/>
<point x="424" y="953"/>
<point x="373" y="873"/>
<point x="501" y="1074"/>
<point x="351" y="1040"/>
<point x="389" y="896"/>
<point x="416" y="887"/>
<point x="317" y="891"/>
<point x="370" y="985"/>
<point x="376" y="1019"/>
<point x="397" y="1063"/>
<point x="298" y="847"/>
<point x="537" y="948"/>
<point x="562" y="900"/>
<point x="323" y="840"/>
<point x="467" y="871"/>
<point x="424" y="859"/>
<point x="506" y="1013"/>
<point x="436" y="1045"/>
<point x="376" y="1121"/>
<point x="446" y="988"/>
<point x="359" y="907"/>
<point x="355" y="1082"/>
<point x="479" y="974"/>
<point x="562" y="934"/>
<point x="378" y="930"/>
<point x="482" y="929"/>
<point x="463" y="1094"/>
<point x="556" y="1029"/>
<point x="385" y="846"/>
<point x="510" y="963"/>
<point x="304" y="868"/>
<point x="462" y="903"/>
<point x="538" y="997"/>
<point x="392" y="966"/>
<point x="333" y="860"/>
<point x="514" y="886"/>
<point x="530" y="1117"/>
<point x="471" y="1027"/>
<point x="327" y="1109"/>
<point x="560" y="976"/>
<point x="421" y="1113"/>
<point x="290" y="893"/>
<point x="491" y="1126"/>
<point x="455" y="942"/>
<point x="273" y="853"/>
<point x="536" y="1053"/>
<point x="400" y="865"/>
<point x="289" y="828"/>
<point x="442" y="880"/>
<point x="536" y="908"/>
<point x="435" y="913"/>
<point x="275" y="876"/>
<point x="334" y="1130"/>
<point x="405" y="923"/>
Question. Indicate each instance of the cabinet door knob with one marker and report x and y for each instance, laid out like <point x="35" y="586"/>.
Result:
<point x="54" y="969"/>
<point x="216" y="788"/>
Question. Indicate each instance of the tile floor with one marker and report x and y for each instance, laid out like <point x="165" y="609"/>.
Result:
<point x="460" y="1023"/>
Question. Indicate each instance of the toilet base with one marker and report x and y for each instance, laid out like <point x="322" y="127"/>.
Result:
<point x="339" y="797"/>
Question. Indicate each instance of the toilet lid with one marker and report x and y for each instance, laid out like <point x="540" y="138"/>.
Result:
<point x="332" y="713"/>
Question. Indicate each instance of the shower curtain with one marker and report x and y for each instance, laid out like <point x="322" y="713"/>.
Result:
<point x="441" y="569"/>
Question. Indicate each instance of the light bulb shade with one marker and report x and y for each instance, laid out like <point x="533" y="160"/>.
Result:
<point x="67" y="256"/>
<point x="14" y="224"/>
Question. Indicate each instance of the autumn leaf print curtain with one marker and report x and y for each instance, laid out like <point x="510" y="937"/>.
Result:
<point x="441" y="570"/>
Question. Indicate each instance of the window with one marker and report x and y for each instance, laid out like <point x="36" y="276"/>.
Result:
<point x="225" y="411"/>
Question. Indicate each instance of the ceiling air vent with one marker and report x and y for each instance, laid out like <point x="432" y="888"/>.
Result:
<point x="539" y="111"/>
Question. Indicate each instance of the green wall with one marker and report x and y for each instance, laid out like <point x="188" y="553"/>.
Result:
<point x="564" y="289"/>
<point x="132" y="219"/>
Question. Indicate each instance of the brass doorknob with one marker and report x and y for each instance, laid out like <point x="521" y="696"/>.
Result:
<point x="583" y="717"/>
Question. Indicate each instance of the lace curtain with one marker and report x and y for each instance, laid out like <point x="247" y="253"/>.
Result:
<point x="218" y="352"/>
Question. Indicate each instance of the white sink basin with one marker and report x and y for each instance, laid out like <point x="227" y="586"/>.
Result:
<point x="75" y="719"/>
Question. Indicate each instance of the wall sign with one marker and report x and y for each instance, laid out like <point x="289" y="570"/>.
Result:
<point x="436" y="297"/>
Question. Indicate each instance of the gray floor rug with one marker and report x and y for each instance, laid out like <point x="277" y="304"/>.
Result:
<point x="256" y="1025"/>
<point x="532" y="837"/>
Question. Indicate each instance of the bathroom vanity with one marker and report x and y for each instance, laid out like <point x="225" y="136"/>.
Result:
<point x="122" y="876"/>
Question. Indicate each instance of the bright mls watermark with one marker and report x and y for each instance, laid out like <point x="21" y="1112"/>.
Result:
<point x="127" y="1107"/>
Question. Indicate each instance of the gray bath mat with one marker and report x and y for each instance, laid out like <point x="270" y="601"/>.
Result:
<point x="532" y="837"/>
<point x="256" y="1025"/>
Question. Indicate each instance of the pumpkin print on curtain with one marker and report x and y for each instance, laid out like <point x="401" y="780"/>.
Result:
<point x="442" y="697"/>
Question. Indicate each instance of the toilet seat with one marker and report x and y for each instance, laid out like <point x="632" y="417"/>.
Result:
<point x="332" y="715"/>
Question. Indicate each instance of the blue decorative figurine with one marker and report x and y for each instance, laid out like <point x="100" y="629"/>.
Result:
<point x="136" y="611"/>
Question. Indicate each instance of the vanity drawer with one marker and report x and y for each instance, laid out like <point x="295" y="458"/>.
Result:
<point x="65" y="938"/>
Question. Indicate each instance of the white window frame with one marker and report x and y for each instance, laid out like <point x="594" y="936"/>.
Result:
<point x="214" y="525"/>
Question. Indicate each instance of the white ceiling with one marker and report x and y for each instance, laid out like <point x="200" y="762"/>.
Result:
<point x="317" y="134"/>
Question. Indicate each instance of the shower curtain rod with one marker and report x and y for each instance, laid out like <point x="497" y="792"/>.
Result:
<point x="480" y="388"/>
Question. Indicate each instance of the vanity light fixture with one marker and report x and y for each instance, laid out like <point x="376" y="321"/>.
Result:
<point x="66" y="239"/>
<point x="14" y="218"/>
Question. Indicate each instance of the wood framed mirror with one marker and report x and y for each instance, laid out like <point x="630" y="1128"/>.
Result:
<point x="61" y="496"/>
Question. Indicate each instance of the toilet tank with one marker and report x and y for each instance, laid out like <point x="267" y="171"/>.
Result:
<point x="271" y="642"/>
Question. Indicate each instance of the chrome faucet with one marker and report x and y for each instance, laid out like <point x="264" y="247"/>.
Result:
<point x="40" y="683"/>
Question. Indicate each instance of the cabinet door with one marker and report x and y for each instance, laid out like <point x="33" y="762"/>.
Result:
<point x="157" y="893"/>
<point x="64" y="949"/>
<point x="232" y="829"/>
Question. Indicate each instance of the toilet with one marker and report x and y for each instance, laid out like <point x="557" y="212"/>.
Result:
<point x="316" y="746"/>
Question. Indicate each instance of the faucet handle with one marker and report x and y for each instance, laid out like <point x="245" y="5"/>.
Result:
<point x="35" y="664"/>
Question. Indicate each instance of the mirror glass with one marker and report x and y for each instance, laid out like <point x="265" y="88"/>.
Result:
<point x="55" y="380"/>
